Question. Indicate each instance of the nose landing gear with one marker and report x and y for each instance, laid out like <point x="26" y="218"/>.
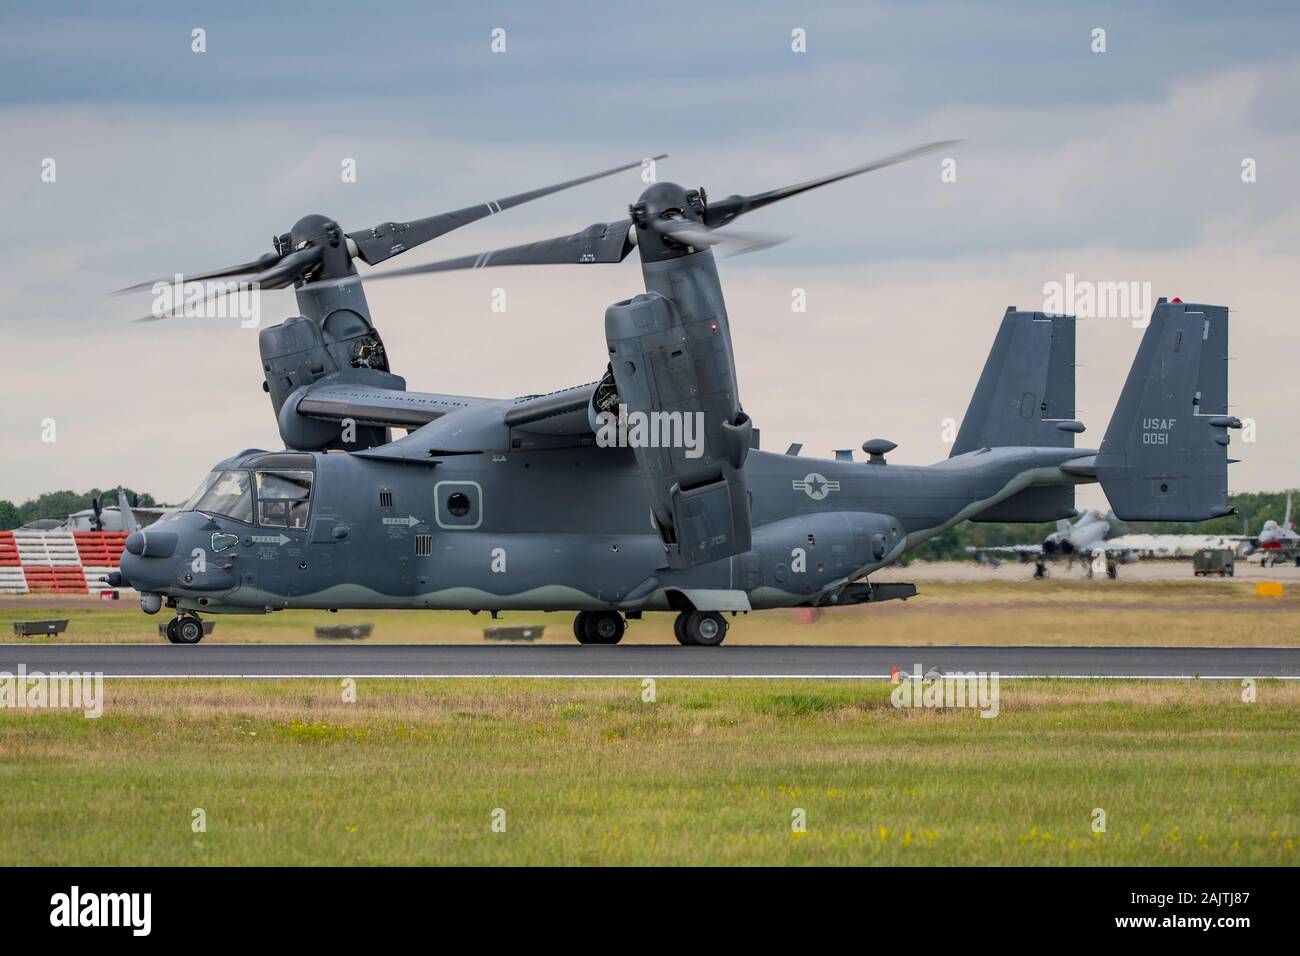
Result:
<point x="185" y="629"/>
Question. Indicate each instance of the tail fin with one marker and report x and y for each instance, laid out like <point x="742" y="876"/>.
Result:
<point x="1025" y="398"/>
<point x="1025" y="395"/>
<point x="1165" y="455"/>
<point x="128" y="516"/>
<point x="1286" y="520"/>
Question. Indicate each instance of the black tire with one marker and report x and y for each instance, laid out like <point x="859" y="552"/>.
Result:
<point x="188" y="629"/>
<point x="704" y="628"/>
<point x="579" y="625"/>
<point x="171" y="630"/>
<point x="678" y="632"/>
<point x="602" y="627"/>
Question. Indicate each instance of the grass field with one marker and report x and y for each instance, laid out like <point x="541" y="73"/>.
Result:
<point x="711" y="772"/>
<point x="1056" y="611"/>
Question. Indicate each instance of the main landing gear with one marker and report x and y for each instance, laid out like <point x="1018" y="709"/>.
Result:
<point x="599" y="627"/>
<point x="185" y="629"/>
<point x="700" y="628"/>
<point x="693" y="628"/>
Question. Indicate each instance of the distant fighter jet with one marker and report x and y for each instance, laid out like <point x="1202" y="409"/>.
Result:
<point x="1277" y="543"/>
<point x="1085" y="540"/>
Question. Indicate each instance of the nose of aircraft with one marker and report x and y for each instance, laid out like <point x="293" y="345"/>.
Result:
<point x="152" y="544"/>
<point x="142" y="573"/>
<point x="144" y="564"/>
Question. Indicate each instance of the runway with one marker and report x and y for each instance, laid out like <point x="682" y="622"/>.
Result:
<point x="636" y="661"/>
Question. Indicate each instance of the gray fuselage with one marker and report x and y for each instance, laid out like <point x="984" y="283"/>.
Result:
<point x="559" y="529"/>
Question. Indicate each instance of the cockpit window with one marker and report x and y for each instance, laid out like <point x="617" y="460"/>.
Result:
<point x="226" y="493"/>
<point x="283" y="498"/>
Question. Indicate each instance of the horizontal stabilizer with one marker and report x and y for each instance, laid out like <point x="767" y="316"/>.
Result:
<point x="1165" y="454"/>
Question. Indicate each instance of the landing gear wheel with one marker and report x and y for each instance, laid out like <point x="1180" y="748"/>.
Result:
<point x="185" y="630"/>
<point x="602" y="627"/>
<point x="579" y="626"/>
<point x="700" y="628"/>
<point x="1112" y="570"/>
<point x="1040" y="571"/>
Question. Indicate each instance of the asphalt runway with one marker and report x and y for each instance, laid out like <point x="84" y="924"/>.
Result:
<point x="635" y="661"/>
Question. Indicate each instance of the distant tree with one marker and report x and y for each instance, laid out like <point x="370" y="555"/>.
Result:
<point x="10" y="517"/>
<point x="1253" y="509"/>
<point x="60" y="504"/>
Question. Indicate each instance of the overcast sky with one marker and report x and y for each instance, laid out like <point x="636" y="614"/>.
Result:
<point x="1123" y="165"/>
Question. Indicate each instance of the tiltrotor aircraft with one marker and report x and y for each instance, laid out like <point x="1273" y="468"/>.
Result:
<point x="564" y="501"/>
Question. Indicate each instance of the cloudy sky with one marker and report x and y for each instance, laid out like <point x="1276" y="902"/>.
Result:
<point x="1122" y="165"/>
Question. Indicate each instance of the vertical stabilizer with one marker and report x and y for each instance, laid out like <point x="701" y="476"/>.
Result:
<point x="1165" y="454"/>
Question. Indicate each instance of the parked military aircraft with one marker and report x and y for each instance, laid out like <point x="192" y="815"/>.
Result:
<point x="1083" y="541"/>
<point x="529" y="503"/>
<point x="100" y="518"/>
<point x="1274" y="544"/>
<point x="1277" y="543"/>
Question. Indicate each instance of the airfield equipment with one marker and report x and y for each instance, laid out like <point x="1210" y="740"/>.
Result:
<point x="1220" y="561"/>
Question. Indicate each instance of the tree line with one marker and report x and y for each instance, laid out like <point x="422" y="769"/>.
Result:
<point x="1253" y="510"/>
<point x="60" y="504"/>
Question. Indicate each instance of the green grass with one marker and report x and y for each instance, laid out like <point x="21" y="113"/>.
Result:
<point x="709" y="773"/>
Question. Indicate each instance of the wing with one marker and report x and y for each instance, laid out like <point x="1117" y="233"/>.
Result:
<point x="369" y="405"/>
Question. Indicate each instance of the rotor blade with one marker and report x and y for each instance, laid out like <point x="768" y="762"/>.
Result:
<point x="390" y="238"/>
<point x="257" y="265"/>
<point x="288" y="270"/>
<point x="291" y="268"/>
<point x="725" y="210"/>
<point x="735" y="242"/>
<point x="602" y="242"/>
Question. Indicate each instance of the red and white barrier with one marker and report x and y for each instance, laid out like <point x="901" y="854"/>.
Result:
<point x="57" y="562"/>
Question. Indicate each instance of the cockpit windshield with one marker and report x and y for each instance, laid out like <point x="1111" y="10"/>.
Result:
<point x="283" y="498"/>
<point x="226" y="493"/>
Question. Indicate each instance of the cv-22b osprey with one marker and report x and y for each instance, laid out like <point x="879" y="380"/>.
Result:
<point x="518" y="504"/>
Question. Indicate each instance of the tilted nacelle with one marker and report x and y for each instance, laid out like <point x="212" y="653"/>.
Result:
<point x="300" y="354"/>
<point x="674" y="377"/>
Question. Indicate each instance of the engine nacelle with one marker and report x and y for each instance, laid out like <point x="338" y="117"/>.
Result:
<point x="300" y="352"/>
<point x="675" y="390"/>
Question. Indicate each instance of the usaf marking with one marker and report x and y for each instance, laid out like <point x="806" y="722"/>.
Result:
<point x="815" y="486"/>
